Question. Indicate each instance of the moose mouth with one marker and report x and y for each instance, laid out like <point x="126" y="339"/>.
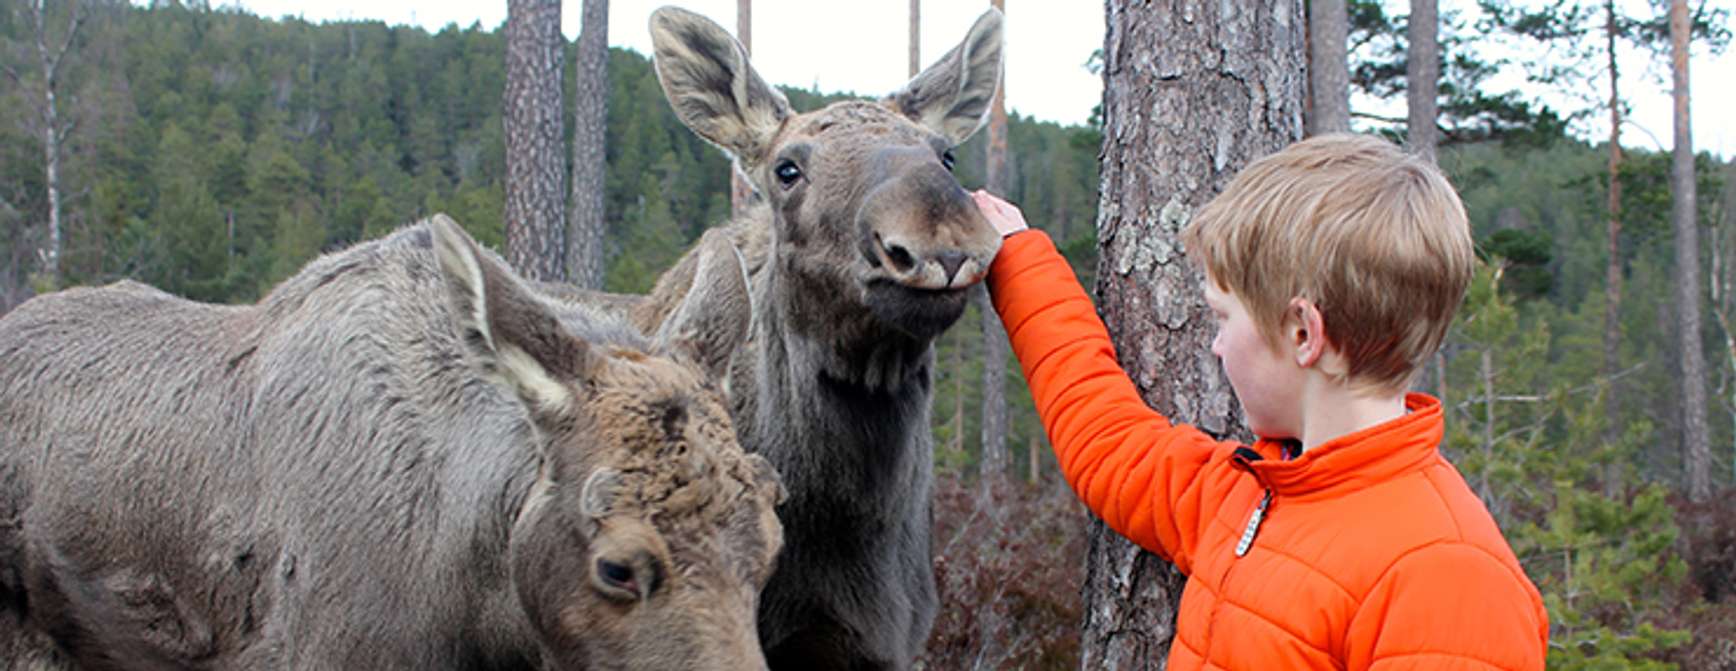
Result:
<point x="918" y="312"/>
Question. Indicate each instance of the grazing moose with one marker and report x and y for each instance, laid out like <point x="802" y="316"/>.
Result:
<point x="401" y="458"/>
<point x="861" y="253"/>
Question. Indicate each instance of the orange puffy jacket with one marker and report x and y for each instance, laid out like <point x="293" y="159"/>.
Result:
<point x="1366" y="552"/>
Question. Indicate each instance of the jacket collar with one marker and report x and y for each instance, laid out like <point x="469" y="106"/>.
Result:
<point x="1357" y="460"/>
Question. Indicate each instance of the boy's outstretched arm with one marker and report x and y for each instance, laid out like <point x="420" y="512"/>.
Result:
<point x="1142" y="475"/>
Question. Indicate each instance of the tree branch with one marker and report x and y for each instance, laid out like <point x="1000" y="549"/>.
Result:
<point x="78" y="16"/>
<point x="63" y="133"/>
<point x="51" y="59"/>
<point x="1377" y="117"/>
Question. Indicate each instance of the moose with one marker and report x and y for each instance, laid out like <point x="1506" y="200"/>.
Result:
<point x="861" y="250"/>
<point x="403" y="457"/>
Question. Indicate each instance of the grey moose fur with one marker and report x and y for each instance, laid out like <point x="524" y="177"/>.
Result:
<point x="401" y="458"/>
<point x="861" y="252"/>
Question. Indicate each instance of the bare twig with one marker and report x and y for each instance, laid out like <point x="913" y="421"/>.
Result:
<point x="1377" y="117"/>
<point x="1538" y="398"/>
<point x="66" y="131"/>
<point x="78" y="17"/>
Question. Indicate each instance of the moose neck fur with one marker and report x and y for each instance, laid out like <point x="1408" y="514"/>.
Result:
<point x="823" y="371"/>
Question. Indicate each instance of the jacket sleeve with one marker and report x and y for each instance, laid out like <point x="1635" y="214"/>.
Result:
<point x="1449" y="606"/>
<point x="1143" y="476"/>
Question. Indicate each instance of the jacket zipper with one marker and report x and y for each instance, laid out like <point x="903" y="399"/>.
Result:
<point x="1245" y="458"/>
<point x="1253" y="525"/>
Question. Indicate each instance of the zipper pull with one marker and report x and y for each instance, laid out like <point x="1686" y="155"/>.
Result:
<point x="1253" y="525"/>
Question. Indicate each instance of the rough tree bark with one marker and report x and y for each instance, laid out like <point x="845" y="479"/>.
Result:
<point x="1422" y="75"/>
<point x="534" y="162"/>
<point x="1328" y="67"/>
<point x="1696" y="448"/>
<point x="587" y="223"/>
<point x="1192" y="93"/>
<point x="995" y="346"/>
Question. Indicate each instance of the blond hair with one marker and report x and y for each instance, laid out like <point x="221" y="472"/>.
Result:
<point x="1376" y="238"/>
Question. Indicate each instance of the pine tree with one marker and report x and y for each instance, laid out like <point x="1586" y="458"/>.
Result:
<point x="1328" y="67"/>
<point x="995" y="347"/>
<point x="1138" y="285"/>
<point x="1422" y="75"/>
<point x="535" y="201"/>
<point x="1697" y="458"/>
<point x="589" y="223"/>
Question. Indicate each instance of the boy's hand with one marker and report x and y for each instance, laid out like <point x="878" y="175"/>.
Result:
<point x="1006" y="218"/>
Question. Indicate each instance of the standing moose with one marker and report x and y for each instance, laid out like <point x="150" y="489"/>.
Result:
<point x="401" y="458"/>
<point x="860" y="254"/>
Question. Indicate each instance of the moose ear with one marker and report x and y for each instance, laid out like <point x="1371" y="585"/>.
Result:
<point x="707" y="78"/>
<point x="597" y="496"/>
<point x="952" y="97"/>
<point x="504" y="325"/>
<point x="712" y="320"/>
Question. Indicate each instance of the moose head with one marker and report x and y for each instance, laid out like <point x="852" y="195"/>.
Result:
<point x="870" y="228"/>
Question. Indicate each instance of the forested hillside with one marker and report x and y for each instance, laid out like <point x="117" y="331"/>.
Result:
<point x="214" y="153"/>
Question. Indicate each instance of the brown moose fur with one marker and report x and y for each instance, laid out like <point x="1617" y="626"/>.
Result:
<point x="401" y="458"/>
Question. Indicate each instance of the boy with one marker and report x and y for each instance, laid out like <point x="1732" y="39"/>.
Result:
<point x="1341" y="539"/>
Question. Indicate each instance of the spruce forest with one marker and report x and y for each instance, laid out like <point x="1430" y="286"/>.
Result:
<point x="212" y="153"/>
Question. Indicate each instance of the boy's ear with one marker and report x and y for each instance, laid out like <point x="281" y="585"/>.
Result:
<point x="1305" y="332"/>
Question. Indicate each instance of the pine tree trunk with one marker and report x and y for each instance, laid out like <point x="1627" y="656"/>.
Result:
<point x="1422" y="75"/>
<point x="995" y="346"/>
<point x="588" y="224"/>
<point x="994" y="408"/>
<point x="915" y="38"/>
<point x="1328" y="67"/>
<point x="534" y="163"/>
<point x="740" y="191"/>
<point x="1613" y="271"/>
<point x="1697" y="451"/>
<point x="1192" y="94"/>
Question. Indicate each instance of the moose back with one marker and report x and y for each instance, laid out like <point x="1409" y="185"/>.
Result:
<point x="401" y="458"/>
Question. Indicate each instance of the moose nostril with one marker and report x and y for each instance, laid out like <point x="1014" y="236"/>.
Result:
<point x="900" y="257"/>
<point x="950" y="262"/>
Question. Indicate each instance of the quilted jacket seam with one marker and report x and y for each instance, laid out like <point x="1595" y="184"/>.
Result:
<point x="1513" y="570"/>
<point x="1276" y="625"/>
<point x="1445" y="506"/>
<point x="1438" y="653"/>
<point x="1351" y="595"/>
<point x="1348" y="593"/>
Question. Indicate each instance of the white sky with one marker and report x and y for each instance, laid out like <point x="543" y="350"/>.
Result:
<point x="1048" y="43"/>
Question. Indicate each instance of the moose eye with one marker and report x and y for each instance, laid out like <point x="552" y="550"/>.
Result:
<point x="787" y="172"/>
<point x="947" y="160"/>
<point x="617" y="580"/>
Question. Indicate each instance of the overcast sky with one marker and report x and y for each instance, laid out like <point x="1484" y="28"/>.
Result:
<point x="862" y="47"/>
